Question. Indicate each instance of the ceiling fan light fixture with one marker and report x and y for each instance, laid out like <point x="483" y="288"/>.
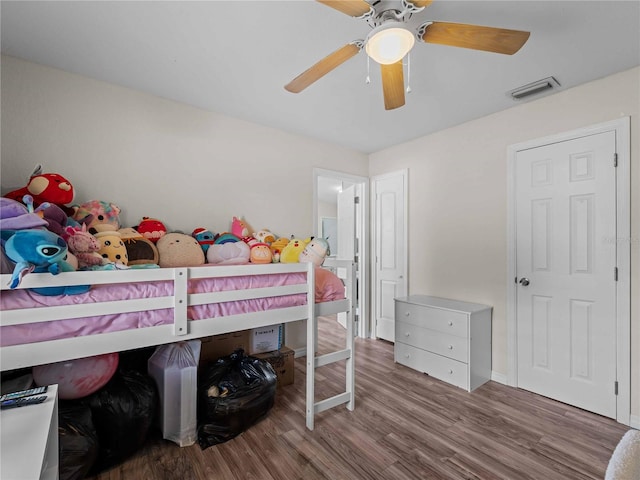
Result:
<point x="389" y="43"/>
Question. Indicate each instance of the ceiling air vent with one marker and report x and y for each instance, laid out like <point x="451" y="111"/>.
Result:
<point x="534" y="88"/>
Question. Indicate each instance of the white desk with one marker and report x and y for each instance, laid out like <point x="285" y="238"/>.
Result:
<point x="29" y="440"/>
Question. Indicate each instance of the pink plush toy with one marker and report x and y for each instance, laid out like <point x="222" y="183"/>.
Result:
<point x="239" y="227"/>
<point x="84" y="246"/>
<point x="103" y="216"/>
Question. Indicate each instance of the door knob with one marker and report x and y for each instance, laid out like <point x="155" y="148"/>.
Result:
<point x="524" y="281"/>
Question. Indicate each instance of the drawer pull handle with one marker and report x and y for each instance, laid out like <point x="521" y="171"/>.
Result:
<point x="407" y="334"/>
<point x="407" y="356"/>
<point x="450" y="323"/>
<point x="450" y="347"/>
<point x="450" y="371"/>
<point x="407" y="314"/>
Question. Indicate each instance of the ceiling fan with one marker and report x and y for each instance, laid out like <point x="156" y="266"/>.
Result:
<point x="391" y="39"/>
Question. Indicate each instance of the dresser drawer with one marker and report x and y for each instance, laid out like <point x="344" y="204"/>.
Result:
<point x="433" y="341"/>
<point x="442" y="368"/>
<point x="445" y="321"/>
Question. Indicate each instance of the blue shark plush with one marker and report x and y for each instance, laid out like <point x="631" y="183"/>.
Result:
<point x="38" y="251"/>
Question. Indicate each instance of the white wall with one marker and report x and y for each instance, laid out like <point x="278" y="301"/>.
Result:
<point x="155" y="157"/>
<point x="458" y="198"/>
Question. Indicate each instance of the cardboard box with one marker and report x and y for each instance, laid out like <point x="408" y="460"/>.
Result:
<point x="217" y="346"/>
<point x="174" y="368"/>
<point x="265" y="339"/>
<point x="282" y="362"/>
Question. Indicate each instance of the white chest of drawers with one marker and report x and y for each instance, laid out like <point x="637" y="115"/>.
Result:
<point x="446" y="339"/>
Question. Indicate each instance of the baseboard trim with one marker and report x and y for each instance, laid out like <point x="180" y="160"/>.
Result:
<point x="498" y="377"/>
<point x="300" y="352"/>
<point x="634" y="420"/>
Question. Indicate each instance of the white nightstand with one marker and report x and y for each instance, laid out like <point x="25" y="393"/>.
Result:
<point x="29" y="440"/>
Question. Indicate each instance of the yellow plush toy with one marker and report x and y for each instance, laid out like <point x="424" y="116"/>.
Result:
<point x="291" y="253"/>
<point x="112" y="247"/>
<point x="277" y="247"/>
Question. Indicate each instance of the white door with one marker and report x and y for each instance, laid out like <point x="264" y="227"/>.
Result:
<point x="346" y="234"/>
<point x="346" y="223"/>
<point x="390" y="238"/>
<point x="566" y="267"/>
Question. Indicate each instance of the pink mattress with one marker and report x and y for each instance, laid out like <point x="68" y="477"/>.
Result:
<point x="328" y="288"/>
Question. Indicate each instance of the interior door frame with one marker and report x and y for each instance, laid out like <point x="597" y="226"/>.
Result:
<point x="364" y="323"/>
<point x="622" y="129"/>
<point x="374" y="240"/>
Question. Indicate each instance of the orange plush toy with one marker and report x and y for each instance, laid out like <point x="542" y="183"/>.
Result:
<point x="46" y="187"/>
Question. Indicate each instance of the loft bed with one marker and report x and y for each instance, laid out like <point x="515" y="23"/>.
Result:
<point x="130" y="309"/>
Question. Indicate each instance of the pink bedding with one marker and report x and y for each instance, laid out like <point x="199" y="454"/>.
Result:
<point x="328" y="288"/>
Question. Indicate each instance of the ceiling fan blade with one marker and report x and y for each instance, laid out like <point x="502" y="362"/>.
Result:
<point x="497" y="40"/>
<point x="353" y="8"/>
<point x="392" y="85"/>
<point x="421" y="3"/>
<point x="321" y="68"/>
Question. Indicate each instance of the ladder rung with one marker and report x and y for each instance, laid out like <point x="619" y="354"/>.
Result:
<point x="331" y="402"/>
<point x="332" y="357"/>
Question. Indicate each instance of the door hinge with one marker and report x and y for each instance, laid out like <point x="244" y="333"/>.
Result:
<point x="616" y="387"/>
<point x="356" y="200"/>
<point x="615" y="159"/>
<point x="615" y="274"/>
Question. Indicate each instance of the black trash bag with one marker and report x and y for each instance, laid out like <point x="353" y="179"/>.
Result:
<point x="235" y="392"/>
<point x="77" y="441"/>
<point x="123" y="412"/>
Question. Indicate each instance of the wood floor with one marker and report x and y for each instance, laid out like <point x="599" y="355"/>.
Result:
<point x="405" y="425"/>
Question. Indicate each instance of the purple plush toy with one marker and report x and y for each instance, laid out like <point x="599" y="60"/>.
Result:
<point x="15" y="216"/>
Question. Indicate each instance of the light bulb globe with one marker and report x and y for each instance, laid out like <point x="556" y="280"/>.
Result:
<point x="389" y="43"/>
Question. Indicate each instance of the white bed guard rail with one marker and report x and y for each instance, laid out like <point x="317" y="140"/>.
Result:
<point x="30" y="354"/>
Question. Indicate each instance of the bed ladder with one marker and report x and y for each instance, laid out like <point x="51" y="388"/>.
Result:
<point x="313" y="361"/>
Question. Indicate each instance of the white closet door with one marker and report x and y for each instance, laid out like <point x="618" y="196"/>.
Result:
<point x="566" y="260"/>
<point x="390" y="249"/>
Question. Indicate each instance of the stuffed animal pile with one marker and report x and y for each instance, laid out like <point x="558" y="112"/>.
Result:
<point x="43" y="231"/>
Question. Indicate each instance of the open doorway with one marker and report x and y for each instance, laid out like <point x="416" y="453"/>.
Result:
<point x="340" y="209"/>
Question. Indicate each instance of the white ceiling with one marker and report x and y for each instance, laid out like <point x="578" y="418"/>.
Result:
<point x="234" y="57"/>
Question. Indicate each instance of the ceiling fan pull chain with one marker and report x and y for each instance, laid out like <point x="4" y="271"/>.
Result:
<point x="409" y="72"/>
<point x="368" y="79"/>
